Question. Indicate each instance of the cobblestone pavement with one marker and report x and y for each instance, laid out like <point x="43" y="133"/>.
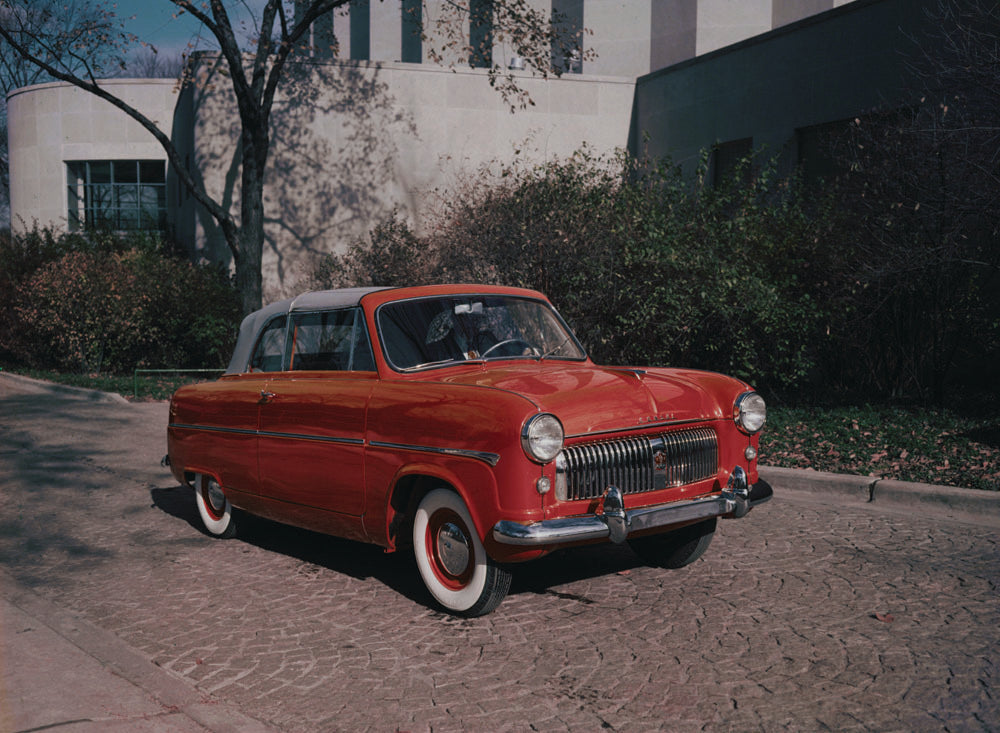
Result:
<point x="804" y="616"/>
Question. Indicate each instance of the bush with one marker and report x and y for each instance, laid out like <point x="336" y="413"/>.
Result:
<point x="648" y="268"/>
<point x="651" y="268"/>
<point x="391" y="255"/>
<point x="115" y="306"/>
<point x="823" y="293"/>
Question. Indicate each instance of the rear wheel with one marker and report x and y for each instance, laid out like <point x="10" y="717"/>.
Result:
<point x="213" y="506"/>
<point x="675" y="549"/>
<point x="451" y="559"/>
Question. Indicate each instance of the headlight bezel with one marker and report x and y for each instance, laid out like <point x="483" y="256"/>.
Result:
<point x="538" y="437"/>
<point x="749" y="409"/>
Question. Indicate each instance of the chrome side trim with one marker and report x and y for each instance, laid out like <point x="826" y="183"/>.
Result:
<point x="304" y="436"/>
<point x="212" y="429"/>
<point x="269" y="434"/>
<point x="491" y="458"/>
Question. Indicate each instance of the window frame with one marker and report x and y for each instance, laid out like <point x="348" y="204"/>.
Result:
<point x="358" y="330"/>
<point x="105" y="194"/>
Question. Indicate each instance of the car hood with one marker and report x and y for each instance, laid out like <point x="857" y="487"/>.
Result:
<point x="593" y="399"/>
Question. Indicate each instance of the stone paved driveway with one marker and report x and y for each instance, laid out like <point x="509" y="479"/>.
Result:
<point x="804" y="616"/>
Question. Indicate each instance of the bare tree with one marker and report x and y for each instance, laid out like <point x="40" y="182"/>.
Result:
<point x="255" y="72"/>
<point x="923" y="192"/>
<point x="148" y="63"/>
<point x="72" y="25"/>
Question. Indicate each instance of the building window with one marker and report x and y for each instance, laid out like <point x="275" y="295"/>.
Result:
<point x="481" y="34"/>
<point x="732" y="158"/>
<point x="413" y="27"/>
<point x="319" y="40"/>
<point x="361" y="36"/>
<point x="816" y="145"/>
<point x="121" y="195"/>
<point x="567" y="41"/>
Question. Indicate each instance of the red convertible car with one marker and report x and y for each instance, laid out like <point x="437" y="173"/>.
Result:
<point x="468" y="423"/>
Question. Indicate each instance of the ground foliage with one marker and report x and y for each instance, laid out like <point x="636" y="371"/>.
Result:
<point x="925" y="445"/>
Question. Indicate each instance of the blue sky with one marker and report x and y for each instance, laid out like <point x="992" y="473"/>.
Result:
<point x="158" y="22"/>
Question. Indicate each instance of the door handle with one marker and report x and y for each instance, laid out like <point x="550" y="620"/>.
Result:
<point x="265" y="396"/>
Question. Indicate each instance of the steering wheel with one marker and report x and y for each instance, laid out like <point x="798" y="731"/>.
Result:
<point x="505" y="342"/>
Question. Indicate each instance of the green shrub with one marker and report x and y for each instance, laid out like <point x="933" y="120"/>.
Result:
<point x="117" y="306"/>
<point x="390" y="255"/>
<point x="797" y="290"/>
<point x="651" y="268"/>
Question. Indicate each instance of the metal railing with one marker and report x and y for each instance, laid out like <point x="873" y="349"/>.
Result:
<point x="135" y="376"/>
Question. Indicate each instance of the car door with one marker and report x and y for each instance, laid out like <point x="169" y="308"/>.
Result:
<point x="230" y="414"/>
<point x="311" y="445"/>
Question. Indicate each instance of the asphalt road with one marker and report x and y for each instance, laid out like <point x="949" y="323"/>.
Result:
<point x="807" y="615"/>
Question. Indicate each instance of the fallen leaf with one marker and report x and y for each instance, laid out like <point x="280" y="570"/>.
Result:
<point x="886" y="618"/>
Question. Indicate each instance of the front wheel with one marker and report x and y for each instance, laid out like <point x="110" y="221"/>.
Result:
<point x="675" y="549"/>
<point x="213" y="506"/>
<point x="451" y="559"/>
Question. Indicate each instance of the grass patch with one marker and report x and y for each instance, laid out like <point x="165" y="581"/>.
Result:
<point x="143" y="388"/>
<point x="930" y="446"/>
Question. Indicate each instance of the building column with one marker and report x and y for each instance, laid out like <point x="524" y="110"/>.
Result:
<point x="386" y="30"/>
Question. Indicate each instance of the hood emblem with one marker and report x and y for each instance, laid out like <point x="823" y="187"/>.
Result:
<point x="654" y="418"/>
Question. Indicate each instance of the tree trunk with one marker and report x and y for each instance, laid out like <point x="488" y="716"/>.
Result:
<point x="249" y="280"/>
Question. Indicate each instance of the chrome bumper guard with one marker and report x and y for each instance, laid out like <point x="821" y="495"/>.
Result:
<point x="614" y="523"/>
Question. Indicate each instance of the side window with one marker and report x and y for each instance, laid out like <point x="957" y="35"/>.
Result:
<point x="267" y="356"/>
<point x="330" y="341"/>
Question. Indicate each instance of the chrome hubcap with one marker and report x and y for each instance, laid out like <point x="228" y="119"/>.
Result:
<point x="453" y="549"/>
<point x="215" y="496"/>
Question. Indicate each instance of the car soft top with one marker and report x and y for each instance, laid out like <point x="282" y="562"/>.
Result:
<point x="314" y="300"/>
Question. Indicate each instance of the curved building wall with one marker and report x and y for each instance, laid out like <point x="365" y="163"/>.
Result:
<point x="56" y="124"/>
<point x="351" y="142"/>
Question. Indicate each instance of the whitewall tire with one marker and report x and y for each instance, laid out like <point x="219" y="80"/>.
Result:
<point x="451" y="559"/>
<point x="213" y="506"/>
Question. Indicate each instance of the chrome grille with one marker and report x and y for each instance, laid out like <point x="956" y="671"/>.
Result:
<point x="634" y="465"/>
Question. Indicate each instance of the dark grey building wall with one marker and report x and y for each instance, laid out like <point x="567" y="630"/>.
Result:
<point x="829" y="67"/>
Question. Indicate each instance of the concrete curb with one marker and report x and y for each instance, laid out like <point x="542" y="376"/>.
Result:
<point x="93" y="395"/>
<point x="887" y="492"/>
<point x="70" y="638"/>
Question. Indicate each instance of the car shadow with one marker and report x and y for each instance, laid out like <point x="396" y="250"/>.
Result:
<point x="398" y="570"/>
<point x="357" y="560"/>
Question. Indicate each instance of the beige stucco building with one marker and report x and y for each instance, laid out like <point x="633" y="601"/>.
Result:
<point x="368" y="124"/>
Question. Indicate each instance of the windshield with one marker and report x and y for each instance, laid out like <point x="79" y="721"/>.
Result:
<point x="428" y="332"/>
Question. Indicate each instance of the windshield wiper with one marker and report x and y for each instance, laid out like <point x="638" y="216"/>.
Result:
<point x="441" y="362"/>
<point x="550" y="352"/>
<point x="426" y="364"/>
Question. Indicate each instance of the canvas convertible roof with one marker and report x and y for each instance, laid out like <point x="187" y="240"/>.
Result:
<point x="313" y="301"/>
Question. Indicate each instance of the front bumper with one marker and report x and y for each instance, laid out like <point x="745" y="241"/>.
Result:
<point x="614" y="523"/>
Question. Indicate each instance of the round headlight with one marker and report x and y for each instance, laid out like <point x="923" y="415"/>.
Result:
<point x="542" y="437"/>
<point x="750" y="412"/>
